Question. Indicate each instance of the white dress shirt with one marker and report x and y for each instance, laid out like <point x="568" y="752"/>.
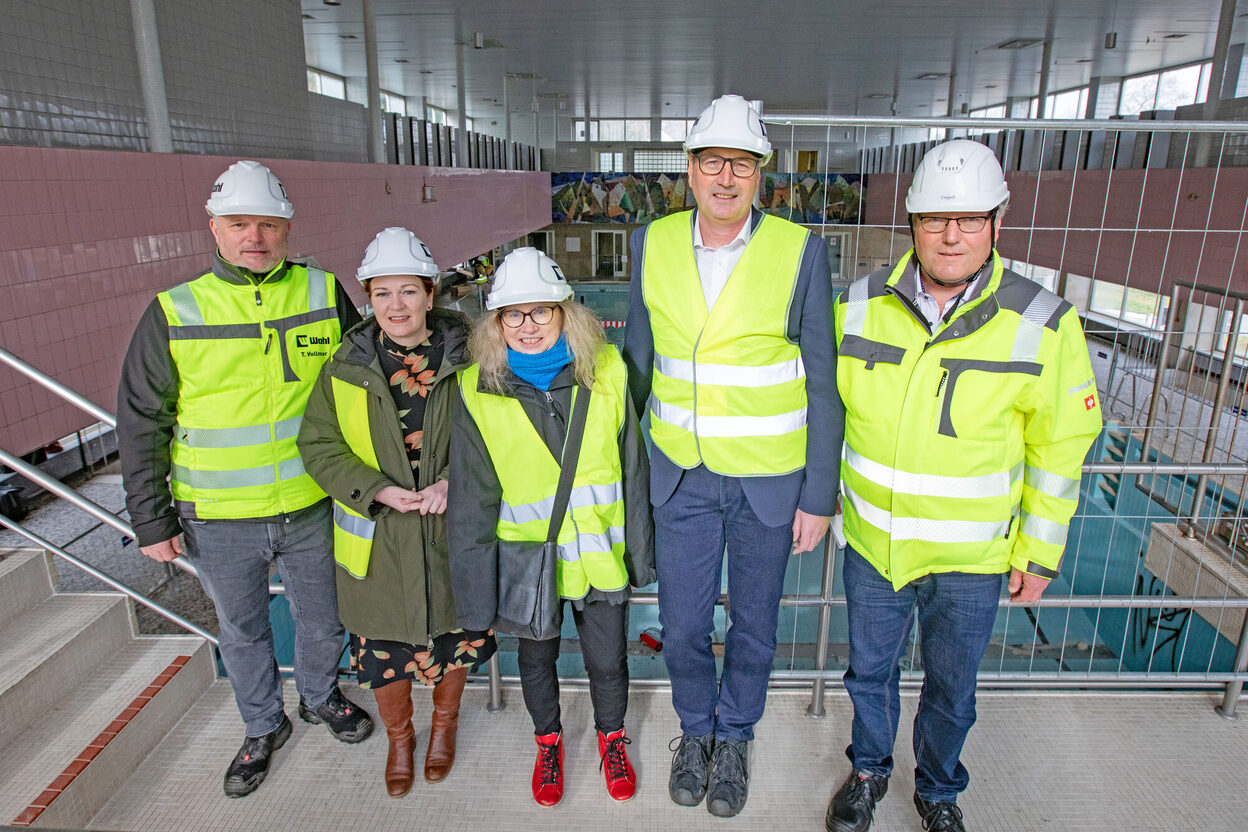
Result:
<point x="716" y="264"/>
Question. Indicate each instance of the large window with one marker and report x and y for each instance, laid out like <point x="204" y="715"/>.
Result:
<point x="1134" y="306"/>
<point x="1164" y="90"/>
<point x="612" y="130"/>
<point x="674" y="130"/>
<point x="659" y="161"/>
<point x="325" y="83"/>
<point x="393" y="103"/>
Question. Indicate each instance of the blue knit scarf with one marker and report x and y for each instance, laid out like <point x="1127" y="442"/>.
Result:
<point x="540" y="369"/>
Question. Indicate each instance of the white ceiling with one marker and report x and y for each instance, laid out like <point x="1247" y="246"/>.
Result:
<point x="637" y="58"/>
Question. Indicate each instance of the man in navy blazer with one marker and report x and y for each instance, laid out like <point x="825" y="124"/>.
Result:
<point x="730" y="351"/>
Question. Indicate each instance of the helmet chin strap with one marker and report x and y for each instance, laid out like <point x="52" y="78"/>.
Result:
<point x="949" y="284"/>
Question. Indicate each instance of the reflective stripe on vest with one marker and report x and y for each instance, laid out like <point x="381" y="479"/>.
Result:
<point x="591" y="538"/>
<point x="244" y="372"/>
<point x="729" y="388"/>
<point x="353" y="532"/>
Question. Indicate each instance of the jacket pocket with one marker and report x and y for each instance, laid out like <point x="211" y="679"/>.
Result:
<point x="872" y="352"/>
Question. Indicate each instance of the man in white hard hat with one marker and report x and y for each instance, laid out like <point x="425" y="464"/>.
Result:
<point x="969" y="406"/>
<point x="212" y="394"/>
<point x="729" y="345"/>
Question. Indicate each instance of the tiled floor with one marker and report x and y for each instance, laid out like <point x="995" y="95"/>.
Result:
<point x="1060" y="761"/>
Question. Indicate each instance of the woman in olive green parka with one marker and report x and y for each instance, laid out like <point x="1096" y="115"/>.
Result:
<point x="375" y="437"/>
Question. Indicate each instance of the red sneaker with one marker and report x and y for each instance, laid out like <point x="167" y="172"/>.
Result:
<point x="548" y="770"/>
<point x="621" y="779"/>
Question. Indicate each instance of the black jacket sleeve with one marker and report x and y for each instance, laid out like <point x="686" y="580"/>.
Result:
<point x="147" y="409"/>
<point x="638" y="339"/>
<point x="638" y="522"/>
<point x="825" y="413"/>
<point x="474" y="494"/>
<point x="348" y="315"/>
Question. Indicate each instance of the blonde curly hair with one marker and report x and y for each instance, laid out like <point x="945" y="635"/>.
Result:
<point x="581" y="328"/>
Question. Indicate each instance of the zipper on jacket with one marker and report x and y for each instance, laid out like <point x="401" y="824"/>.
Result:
<point x="258" y="301"/>
<point x="550" y="402"/>
<point x="941" y="386"/>
<point x="268" y="344"/>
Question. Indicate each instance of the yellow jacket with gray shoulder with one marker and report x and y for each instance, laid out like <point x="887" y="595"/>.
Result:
<point x="963" y="446"/>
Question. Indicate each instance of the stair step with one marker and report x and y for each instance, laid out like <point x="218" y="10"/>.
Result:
<point x="88" y="738"/>
<point x="24" y="582"/>
<point x="54" y="648"/>
<point x="1117" y="435"/>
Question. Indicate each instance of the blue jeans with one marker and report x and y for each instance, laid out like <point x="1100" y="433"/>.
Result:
<point x="956" y="611"/>
<point x="233" y="560"/>
<point x="706" y="513"/>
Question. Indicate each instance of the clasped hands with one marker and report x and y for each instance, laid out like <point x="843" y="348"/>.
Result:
<point x="429" y="500"/>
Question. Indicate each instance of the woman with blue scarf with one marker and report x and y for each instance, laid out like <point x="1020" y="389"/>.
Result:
<point x="537" y="352"/>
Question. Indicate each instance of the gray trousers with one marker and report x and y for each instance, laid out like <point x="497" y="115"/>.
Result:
<point x="233" y="560"/>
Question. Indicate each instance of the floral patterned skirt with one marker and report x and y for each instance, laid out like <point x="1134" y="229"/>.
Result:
<point x="381" y="662"/>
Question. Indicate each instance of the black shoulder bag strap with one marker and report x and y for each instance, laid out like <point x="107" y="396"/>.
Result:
<point x="567" y="466"/>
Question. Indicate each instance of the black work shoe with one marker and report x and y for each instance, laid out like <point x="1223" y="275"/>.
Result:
<point x="939" y="815"/>
<point x="729" y="782"/>
<point x="251" y="764"/>
<point x="690" y="761"/>
<point x="853" y="805"/>
<point x="346" y="720"/>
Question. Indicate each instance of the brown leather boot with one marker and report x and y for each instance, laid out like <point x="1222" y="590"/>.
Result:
<point x="445" y="724"/>
<point x="394" y="706"/>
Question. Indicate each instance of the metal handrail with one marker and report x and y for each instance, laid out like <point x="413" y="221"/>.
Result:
<point x="1084" y="124"/>
<point x="107" y="579"/>
<point x="49" y="383"/>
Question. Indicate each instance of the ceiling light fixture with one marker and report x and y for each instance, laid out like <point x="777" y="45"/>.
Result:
<point x="1175" y="35"/>
<point x="1111" y="37"/>
<point x="333" y="2"/>
<point x="1019" y="43"/>
<point x="931" y="76"/>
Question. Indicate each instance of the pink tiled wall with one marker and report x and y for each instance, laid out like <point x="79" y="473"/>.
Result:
<point x="1141" y="228"/>
<point x="88" y="237"/>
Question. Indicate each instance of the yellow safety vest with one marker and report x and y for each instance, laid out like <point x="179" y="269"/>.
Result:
<point x="729" y="387"/>
<point x="591" y="539"/>
<point x="963" y="447"/>
<point x="247" y="357"/>
<point x="353" y="532"/>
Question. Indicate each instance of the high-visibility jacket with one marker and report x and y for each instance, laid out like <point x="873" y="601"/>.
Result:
<point x="591" y="537"/>
<point x="247" y="357"/>
<point x="963" y="447"/>
<point x="729" y="387"/>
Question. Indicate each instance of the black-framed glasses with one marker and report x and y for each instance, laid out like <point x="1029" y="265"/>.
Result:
<point x="967" y="225"/>
<point x="514" y="318"/>
<point x="742" y="166"/>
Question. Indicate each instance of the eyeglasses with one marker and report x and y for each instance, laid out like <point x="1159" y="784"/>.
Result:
<point x="514" y="318"/>
<point x="967" y="225"/>
<point x="742" y="166"/>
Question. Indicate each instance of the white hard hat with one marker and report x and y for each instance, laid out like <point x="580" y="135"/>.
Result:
<point x="527" y="276"/>
<point x="730" y="121"/>
<point x="248" y="188"/>
<point x="396" y="251"/>
<point x="959" y="175"/>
